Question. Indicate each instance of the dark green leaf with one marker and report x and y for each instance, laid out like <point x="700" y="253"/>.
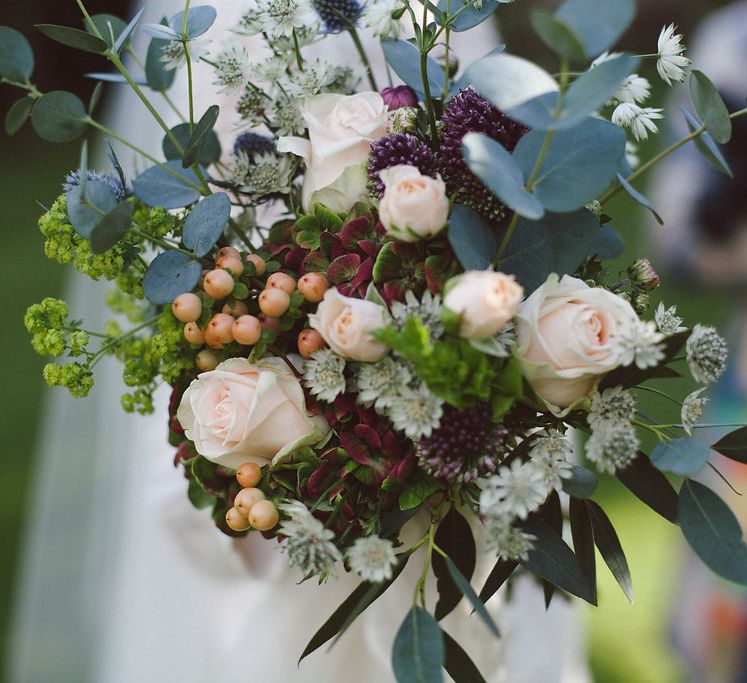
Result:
<point x="472" y="238"/>
<point x="609" y="243"/>
<point x="199" y="20"/>
<point x="112" y="227"/>
<point x="393" y="520"/>
<point x="498" y="170"/>
<point x="16" y="56"/>
<point x="710" y="107"/>
<point x="497" y="577"/>
<point x="733" y="445"/>
<point x="581" y="484"/>
<point x="73" y="37"/>
<point x="713" y="531"/>
<point x="640" y="198"/>
<point x="557" y="35"/>
<point x="609" y="546"/>
<point x="598" y="23"/>
<point x="103" y="23"/>
<point x="418" y="652"/>
<point x="198" y="496"/>
<point x="552" y="515"/>
<point x="158" y="187"/>
<point x="684" y="456"/>
<point x="404" y="58"/>
<point x="464" y="586"/>
<point x="583" y="542"/>
<point x="87" y="204"/>
<point x="458" y="663"/>
<point x="209" y="153"/>
<point x="200" y="136"/>
<point x="17" y="115"/>
<point x="707" y="146"/>
<point x="95" y="98"/>
<point x="650" y="486"/>
<point x="159" y="78"/>
<point x="454" y="537"/>
<point x="206" y="222"/>
<point x="59" y="116"/>
<point x="170" y="274"/>
<point x="415" y="495"/>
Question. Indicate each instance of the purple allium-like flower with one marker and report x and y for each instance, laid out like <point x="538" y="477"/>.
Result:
<point x="399" y="96"/>
<point x="468" y="112"/>
<point x="396" y="149"/>
<point x="466" y="445"/>
<point x="72" y="180"/>
<point x="253" y="144"/>
<point x="337" y="14"/>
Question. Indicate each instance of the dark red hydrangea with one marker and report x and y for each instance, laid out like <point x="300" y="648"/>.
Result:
<point x="397" y="149"/>
<point x="468" y="112"/>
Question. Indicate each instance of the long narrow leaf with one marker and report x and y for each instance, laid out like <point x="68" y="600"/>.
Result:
<point x="650" y="486"/>
<point x="610" y="548"/>
<point x="418" y="652"/>
<point x="497" y="577"/>
<point x="458" y="663"/>
<point x="469" y="593"/>
<point x="454" y="537"/>
<point x="583" y="542"/>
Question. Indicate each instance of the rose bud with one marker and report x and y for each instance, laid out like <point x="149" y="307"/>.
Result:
<point x="281" y="281"/>
<point x="414" y="206"/>
<point x="220" y="328"/>
<point x="248" y="474"/>
<point x="259" y="264"/>
<point x="206" y="361"/>
<point x="238" y="309"/>
<point x="218" y="284"/>
<point x="187" y="307"/>
<point x="236" y="521"/>
<point x="643" y="275"/>
<point x="247" y="330"/>
<point x="308" y="342"/>
<point x="312" y="286"/>
<point x="263" y="515"/>
<point x="484" y="300"/>
<point x="193" y="334"/>
<point x="246" y="498"/>
<point x="399" y="96"/>
<point x="274" y="302"/>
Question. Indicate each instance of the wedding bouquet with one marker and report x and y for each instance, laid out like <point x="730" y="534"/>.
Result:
<point x="389" y="307"/>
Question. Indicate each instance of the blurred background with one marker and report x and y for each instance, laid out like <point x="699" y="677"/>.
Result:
<point x="628" y="643"/>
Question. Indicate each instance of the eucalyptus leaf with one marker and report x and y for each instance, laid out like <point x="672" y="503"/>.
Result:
<point x="418" y="652"/>
<point x="458" y="663"/>
<point x="470" y="17"/>
<point x="200" y="136"/>
<point x="464" y="586"/>
<point x="497" y="577"/>
<point x="684" y="456"/>
<point x="112" y="78"/>
<point x="404" y="58"/>
<point x="733" y="445"/>
<point x="609" y="243"/>
<point x="206" y="222"/>
<point x="498" y="170"/>
<point x="158" y="187"/>
<point x="640" y="198"/>
<point x="124" y="36"/>
<point x="109" y="26"/>
<point x="160" y="32"/>
<point x="159" y="78"/>
<point x="454" y="537"/>
<point x="650" y="486"/>
<point x="116" y="164"/>
<point x="581" y="484"/>
<point x="472" y="238"/>
<point x="707" y="146"/>
<point x="74" y="37"/>
<point x="598" y="23"/>
<point x="557" y="35"/>
<point x="95" y="98"/>
<point x="59" y="116"/>
<point x="710" y="107"/>
<point x="583" y="542"/>
<point x="610" y="548"/>
<point x="16" y="55"/>
<point x="17" y="115"/>
<point x="87" y="204"/>
<point x="712" y="531"/>
<point x="199" y="20"/>
<point x="112" y="227"/>
<point x="209" y="153"/>
<point x="170" y="274"/>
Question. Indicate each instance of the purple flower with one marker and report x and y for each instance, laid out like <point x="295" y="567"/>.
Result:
<point x="399" y="96"/>
<point x="399" y="149"/>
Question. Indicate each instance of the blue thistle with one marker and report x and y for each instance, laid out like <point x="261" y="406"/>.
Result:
<point x="337" y="15"/>
<point x="72" y="180"/>
<point x="253" y="144"/>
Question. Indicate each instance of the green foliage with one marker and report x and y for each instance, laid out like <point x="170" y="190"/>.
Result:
<point x="16" y="56"/>
<point x="454" y="537"/>
<point x="684" y="456"/>
<point x="77" y="378"/>
<point x="418" y="652"/>
<point x="209" y="152"/>
<point x="73" y="37"/>
<point x="206" y="222"/>
<point x="172" y="189"/>
<point x="59" y="116"/>
<point x="200" y="136"/>
<point x="17" y="115"/>
<point x="710" y="107"/>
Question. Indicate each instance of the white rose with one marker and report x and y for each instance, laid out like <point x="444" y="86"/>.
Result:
<point x="341" y="130"/>
<point x="565" y="331"/>
<point x="414" y="206"/>
<point x="346" y="325"/>
<point x="485" y="301"/>
<point x="241" y="412"/>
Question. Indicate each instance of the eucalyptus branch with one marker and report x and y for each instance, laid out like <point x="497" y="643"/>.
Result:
<point x="32" y="90"/>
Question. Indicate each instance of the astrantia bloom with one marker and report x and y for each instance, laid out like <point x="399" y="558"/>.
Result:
<point x="612" y="405"/>
<point x="640" y="120"/>
<point x="372" y="558"/>
<point x="399" y="149"/>
<point x="706" y="354"/>
<point x="416" y="412"/>
<point x="280" y="17"/>
<point x="670" y="61"/>
<point x="634" y="89"/>
<point x="692" y="409"/>
<point x="377" y="17"/>
<point x="612" y="446"/>
<point x="308" y="544"/>
<point x="640" y="344"/>
<point x="270" y="175"/>
<point x="324" y="375"/>
<point x="379" y="383"/>
<point x="507" y="541"/>
<point x="551" y="452"/>
<point x="232" y="68"/>
<point x="427" y="310"/>
<point x="515" y="491"/>
<point x="667" y="320"/>
<point x="173" y="54"/>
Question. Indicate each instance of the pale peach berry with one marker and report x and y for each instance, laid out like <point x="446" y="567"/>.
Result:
<point x="227" y="251"/>
<point x="230" y="261"/>
<point x="236" y="520"/>
<point x="193" y="334"/>
<point x="248" y="474"/>
<point x="308" y="342"/>
<point x="187" y="307"/>
<point x="246" y="499"/>
<point x="247" y="330"/>
<point x="206" y="360"/>
<point x="220" y="327"/>
<point x="263" y="515"/>
<point x="281" y="281"/>
<point x="313" y="286"/>
<point x="268" y="323"/>
<point x="218" y="284"/>
<point x="274" y="302"/>
<point x="259" y="264"/>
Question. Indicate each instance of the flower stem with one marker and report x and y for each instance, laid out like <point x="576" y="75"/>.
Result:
<point x="122" y="337"/>
<point x="660" y="393"/>
<point x="297" y="50"/>
<point x="362" y="53"/>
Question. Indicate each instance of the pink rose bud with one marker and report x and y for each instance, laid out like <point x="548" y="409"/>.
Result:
<point x="401" y="96"/>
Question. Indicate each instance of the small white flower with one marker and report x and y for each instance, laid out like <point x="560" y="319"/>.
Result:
<point x="381" y="382"/>
<point x="428" y="310"/>
<point x="515" y="491"/>
<point x="640" y="344"/>
<point x="270" y="174"/>
<point x="314" y="78"/>
<point x="232" y="68"/>
<point x="631" y="154"/>
<point x="612" y="446"/>
<point x="278" y="18"/>
<point x="174" y="56"/>
<point x="605" y="57"/>
<point x="670" y="61"/>
<point x="612" y="405"/>
<point x="706" y="352"/>
<point x="667" y="320"/>
<point x="416" y="412"/>
<point x="324" y="374"/>
<point x="692" y="409"/>
<point x="372" y="558"/>
<point x="286" y="118"/>
<point x="251" y="107"/>
<point x="634" y="89"/>
<point x="640" y="120"/>
<point x="507" y="541"/>
<point x="377" y="16"/>
<point x="308" y="544"/>
<point x="551" y="451"/>
<point x="271" y="69"/>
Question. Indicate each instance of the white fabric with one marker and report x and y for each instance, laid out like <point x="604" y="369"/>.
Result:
<point x="124" y="581"/>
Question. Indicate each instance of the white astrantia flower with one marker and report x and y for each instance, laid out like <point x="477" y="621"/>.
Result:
<point x="372" y="558"/>
<point x="667" y="320"/>
<point x="314" y="78"/>
<point x="612" y="446"/>
<point x="251" y="107"/>
<point x="692" y="409"/>
<point x="308" y="544"/>
<point x="517" y="490"/>
<point x="507" y="541"/>
<point x="640" y="120"/>
<point x="232" y="68"/>
<point x="551" y="452"/>
<point x="428" y="310"/>
<point x="605" y="57"/>
<point x="612" y="405"/>
<point x="416" y="412"/>
<point x="272" y="69"/>
<point x="324" y="375"/>
<point x="634" y="89"/>
<point x="238" y="168"/>
<point x="631" y="154"/>
<point x="174" y="56"/>
<point x="285" y="116"/>
<point x="706" y="352"/>
<point x="270" y="174"/>
<point x="381" y="382"/>
<point x="640" y="344"/>
<point x="671" y="60"/>
<point x="279" y="18"/>
<point x="377" y="17"/>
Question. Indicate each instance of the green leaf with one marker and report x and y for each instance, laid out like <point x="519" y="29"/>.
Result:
<point x="353" y="606"/>
<point x="470" y="17"/>
<point x="415" y="495"/>
<point x="465" y="587"/>
<point x="16" y="55"/>
<point x="640" y="198"/>
<point x="650" y="486"/>
<point x="206" y="222"/>
<point x="404" y="58"/>
<point x="733" y="445"/>
<point x="472" y="238"/>
<point x="170" y="274"/>
<point x="713" y="531"/>
<point x="458" y="663"/>
<point x="209" y="153"/>
<point x="418" y="652"/>
<point x="112" y="227"/>
<point x="609" y="546"/>
<point x="394" y="519"/>
<point x="158" y="76"/>
<point x="598" y="23"/>
<point x="557" y="35"/>
<point x="581" y="484"/>
<point x="497" y="577"/>
<point x="125" y="34"/>
<point x="710" y="107"/>
<point x="454" y="537"/>
<point x="157" y="187"/>
<point x="73" y="37"/>
<point x="199" y="20"/>
<point x="198" y="496"/>
<point x="707" y="146"/>
<point x="17" y="115"/>
<point x="583" y="542"/>
<point x="59" y="116"/>
<point x="684" y="456"/>
<point x="87" y="204"/>
<point x="500" y="173"/>
<point x="200" y="135"/>
<point x="102" y="23"/>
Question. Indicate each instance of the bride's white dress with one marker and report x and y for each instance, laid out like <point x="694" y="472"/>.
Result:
<point x="123" y="581"/>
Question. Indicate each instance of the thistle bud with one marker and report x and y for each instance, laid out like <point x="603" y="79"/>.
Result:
<point x="641" y="303"/>
<point x="399" y="96"/>
<point x="643" y="275"/>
